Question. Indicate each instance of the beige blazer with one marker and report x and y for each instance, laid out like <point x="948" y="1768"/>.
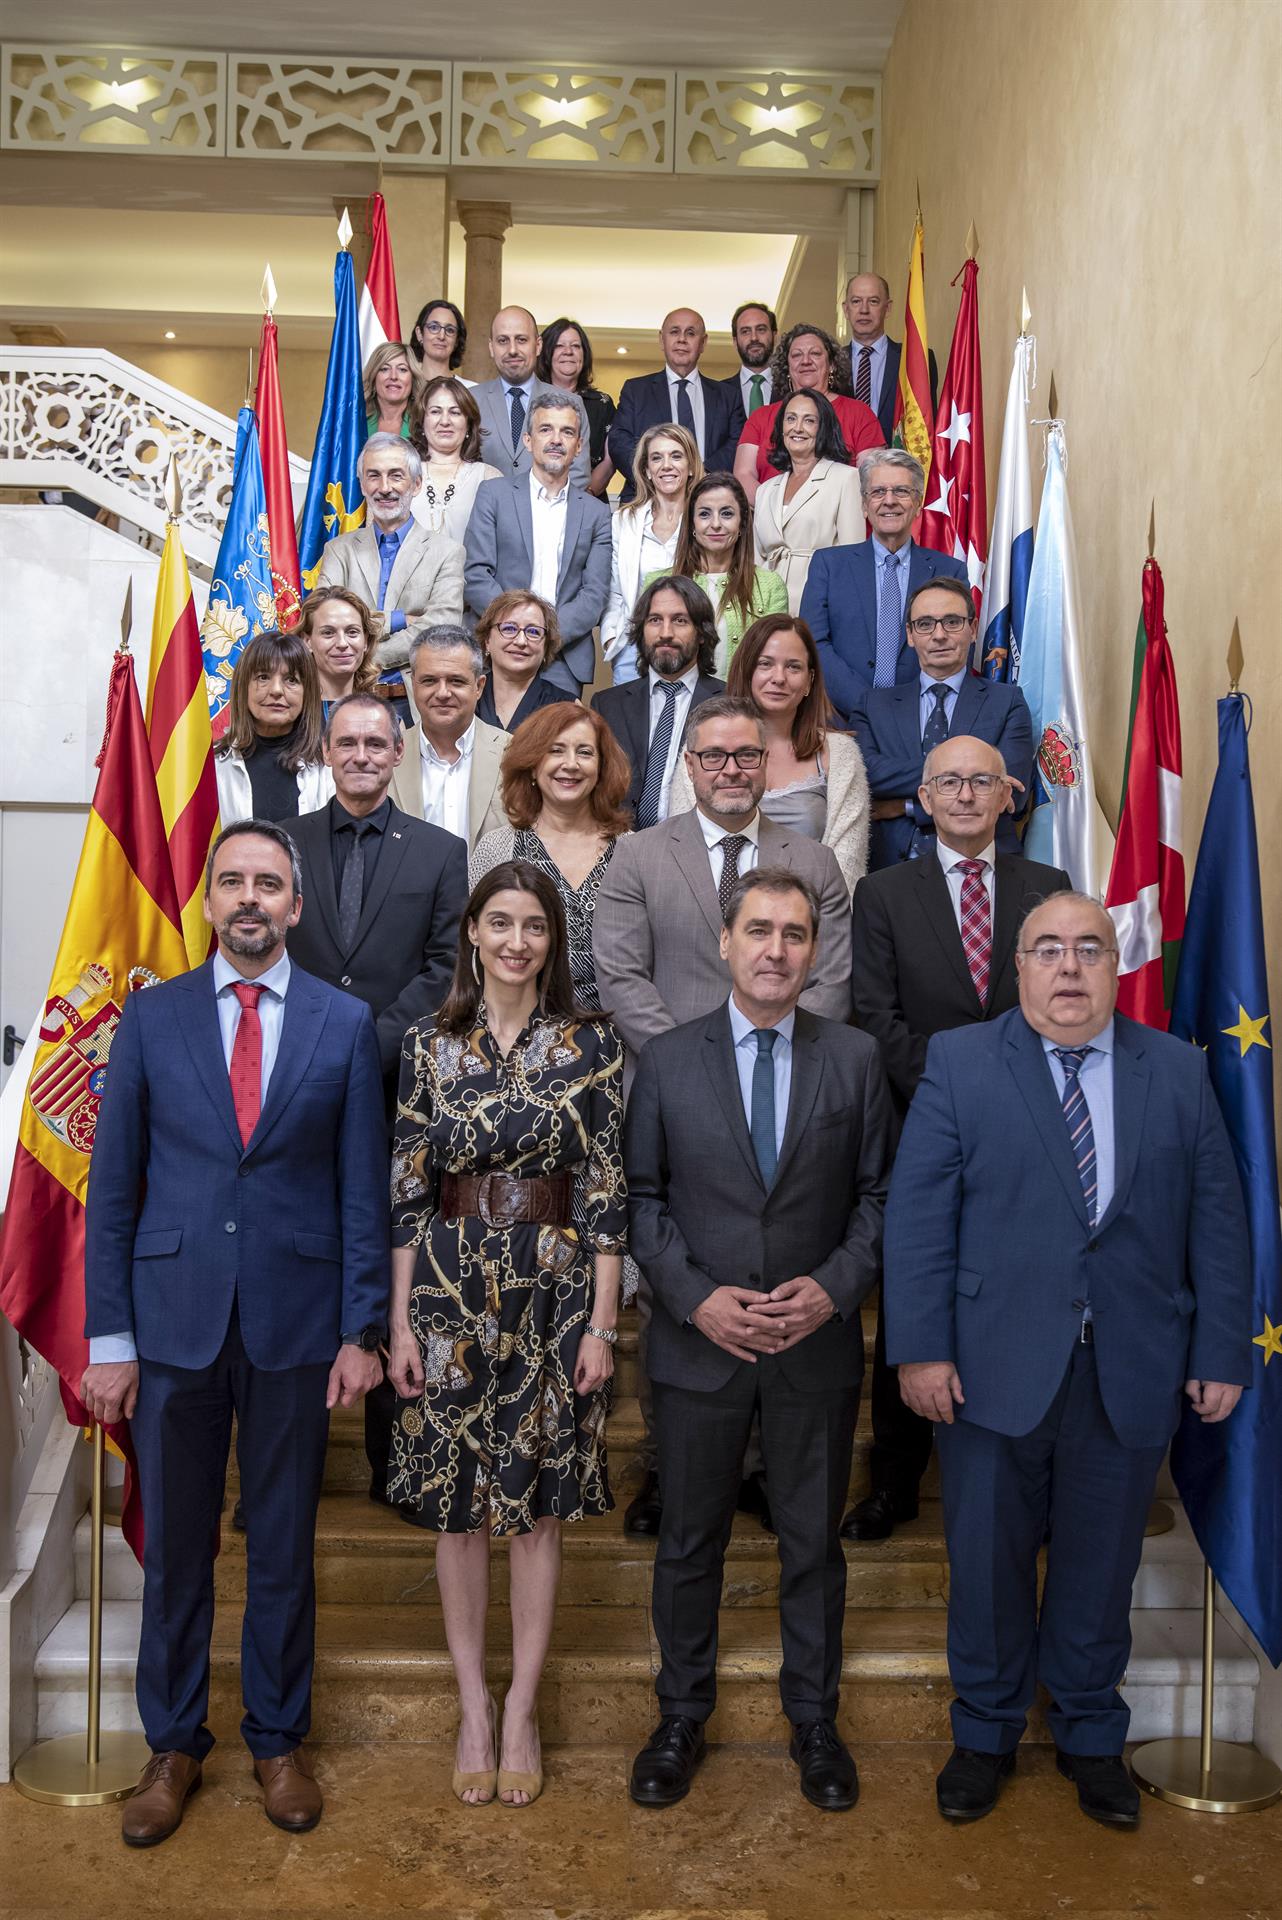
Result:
<point x="426" y="583"/>
<point x="484" y="798"/>
<point x="657" y="928"/>
<point x="826" y="511"/>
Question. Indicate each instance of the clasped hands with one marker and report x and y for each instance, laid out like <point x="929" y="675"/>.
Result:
<point x="746" y="1322"/>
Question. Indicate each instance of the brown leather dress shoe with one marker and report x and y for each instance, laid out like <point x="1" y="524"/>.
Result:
<point x="291" y="1797"/>
<point x="154" y="1809"/>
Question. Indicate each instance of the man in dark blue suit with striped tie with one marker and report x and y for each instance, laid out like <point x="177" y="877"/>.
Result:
<point x="1066" y="1263"/>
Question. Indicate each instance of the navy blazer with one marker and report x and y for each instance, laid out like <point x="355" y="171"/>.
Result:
<point x="989" y="1257"/>
<point x="645" y="401"/>
<point x="182" y="1221"/>
<point x="885" y="408"/>
<point x="839" y="604"/>
<point x="626" y="711"/>
<point x="886" y="722"/>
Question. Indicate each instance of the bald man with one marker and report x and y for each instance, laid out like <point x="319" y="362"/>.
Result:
<point x="505" y="401"/>
<point x="874" y="356"/>
<point x="680" y="394"/>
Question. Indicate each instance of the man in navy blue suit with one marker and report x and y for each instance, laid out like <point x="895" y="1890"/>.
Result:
<point x="897" y="727"/>
<point x="236" y="1261"/>
<point x="1066" y="1262"/>
<point x="874" y="356"/>
<point x="854" y="597"/>
<point x="681" y="394"/>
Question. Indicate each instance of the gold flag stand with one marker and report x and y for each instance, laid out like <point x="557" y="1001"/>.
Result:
<point x="1207" y="1775"/>
<point x="87" y="1769"/>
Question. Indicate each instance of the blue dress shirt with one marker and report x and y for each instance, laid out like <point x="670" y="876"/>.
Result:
<point x="926" y="698"/>
<point x="744" y="1035"/>
<point x="389" y="545"/>
<point x="1096" y="1082"/>
<point x="897" y="569"/>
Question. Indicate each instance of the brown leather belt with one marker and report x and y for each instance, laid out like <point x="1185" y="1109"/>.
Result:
<point x="501" y="1200"/>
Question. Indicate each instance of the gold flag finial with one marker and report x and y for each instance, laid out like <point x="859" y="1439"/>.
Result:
<point x="1236" y="659"/>
<point x="345" y="230"/>
<point x="127" y="616"/>
<point x="269" y="290"/>
<point x="1054" y="398"/>
<point x="1025" y="312"/>
<point x="1152" y="529"/>
<point x="249" y="380"/>
<point x="917" y="188"/>
<point x="173" y="489"/>
<point x="972" y="241"/>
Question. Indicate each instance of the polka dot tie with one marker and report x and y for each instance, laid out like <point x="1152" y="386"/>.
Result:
<point x="247" y="1060"/>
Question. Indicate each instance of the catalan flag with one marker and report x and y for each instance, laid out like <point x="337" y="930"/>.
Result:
<point x="182" y="747"/>
<point x="914" y="415"/>
<point x="123" y="933"/>
<point x="334" y="502"/>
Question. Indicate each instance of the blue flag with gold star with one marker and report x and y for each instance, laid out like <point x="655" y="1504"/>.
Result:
<point x="334" y="502"/>
<point x="1230" y="1475"/>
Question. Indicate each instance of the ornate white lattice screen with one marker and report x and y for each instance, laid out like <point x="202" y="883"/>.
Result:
<point x="814" y="123"/>
<point x="122" y="99"/>
<point x="533" y="116"/>
<point x="337" y="109"/>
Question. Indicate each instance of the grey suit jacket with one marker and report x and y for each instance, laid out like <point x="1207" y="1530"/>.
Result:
<point x="426" y="583"/>
<point x="657" y="928"/>
<point x="496" y="432"/>
<point x="500" y="555"/>
<point x="484" y="797"/>
<point x="701" y="1217"/>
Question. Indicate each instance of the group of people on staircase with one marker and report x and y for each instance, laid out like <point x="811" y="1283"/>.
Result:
<point x="732" y="986"/>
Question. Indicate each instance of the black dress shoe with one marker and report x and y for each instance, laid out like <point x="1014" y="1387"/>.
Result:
<point x="969" y="1783"/>
<point x="646" y="1510"/>
<point x="664" y="1768"/>
<point x="877" y="1517"/>
<point x="1105" y="1789"/>
<point x="238" y="1516"/>
<point x="828" y="1777"/>
<point x="754" y="1499"/>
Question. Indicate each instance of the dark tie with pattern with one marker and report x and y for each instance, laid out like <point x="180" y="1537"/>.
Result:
<point x="517" y="399"/>
<point x="657" y="761"/>
<point x="685" y="412"/>
<point x="352" y="893"/>
<point x="731" y="847"/>
<point x="763" y="1104"/>
<point x="246" y="1069"/>
<point x="1077" y="1118"/>
<point x="756" y="391"/>
<point x="976" y="924"/>
<point x="863" y="376"/>
<point x="935" y="731"/>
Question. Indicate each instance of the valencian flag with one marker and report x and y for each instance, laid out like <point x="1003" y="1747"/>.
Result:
<point x="334" y="503"/>
<point x="182" y="747"/>
<point x="956" y="520"/>
<point x="242" y="601"/>
<point x="914" y="417"/>
<point x="1228" y="1474"/>
<point x="1146" y="886"/>
<point x="274" y="454"/>
<point x="380" y="317"/>
<point x="123" y="933"/>
<point x="1010" y="551"/>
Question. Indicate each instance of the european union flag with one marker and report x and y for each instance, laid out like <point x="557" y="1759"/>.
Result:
<point x="334" y="503"/>
<point x="1230" y="1475"/>
<point x="241" y="603"/>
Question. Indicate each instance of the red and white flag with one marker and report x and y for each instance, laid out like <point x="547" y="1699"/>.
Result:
<point x="955" y="521"/>
<point x="1146" y="885"/>
<point x="379" y="318"/>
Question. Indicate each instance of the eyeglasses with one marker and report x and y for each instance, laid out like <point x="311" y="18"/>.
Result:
<point x="712" y="759"/>
<point x="510" y="632"/>
<point x="1049" y="953"/>
<point x="892" y="493"/>
<point x="924" y="625"/>
<point x="444" y="330"/>
<point x="951" y="784"/>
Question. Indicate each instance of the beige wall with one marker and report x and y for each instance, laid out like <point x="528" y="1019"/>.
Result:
<point x="216" y="377"/>
<point x="1120" y="158"/>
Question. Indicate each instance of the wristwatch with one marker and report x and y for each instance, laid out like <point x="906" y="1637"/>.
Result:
<point x="369" y="1339"/>
<point x="608" y="1334"/>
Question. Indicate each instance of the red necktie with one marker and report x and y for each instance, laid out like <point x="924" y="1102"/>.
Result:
<point x="976" y="924"/>
<point x="247" y="1060"/>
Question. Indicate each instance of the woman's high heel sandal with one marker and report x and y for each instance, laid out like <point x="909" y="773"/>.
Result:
<point x="527" y="1783"/>
<point x="486" y="1782"/>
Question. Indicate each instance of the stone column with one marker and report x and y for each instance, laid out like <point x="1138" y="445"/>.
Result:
<point x="418" y="223"/>
<point x="484" y="223"/>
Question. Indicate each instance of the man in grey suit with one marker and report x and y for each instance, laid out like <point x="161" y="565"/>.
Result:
<point x="450" y="772"/>
<point x="537" y="531"/>
<point x="505" y="403"/>
<point x="657" y="936"/>
<point x="756" y="1146"/>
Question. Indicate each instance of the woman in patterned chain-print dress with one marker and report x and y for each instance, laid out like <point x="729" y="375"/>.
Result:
<point x="494" y="1343"/>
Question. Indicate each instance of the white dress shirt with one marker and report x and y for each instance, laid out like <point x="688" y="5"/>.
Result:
<point x="548" y="511"/>
<point x="680" y="713"/>
<point x="446" y="783"/>
<point x="107" y="1347"/>
<point x="694" y="393"/>
<point x="714" y="833"/>
<point x="745" y="1059"/>
<point x="950" y="860"/>
<point x="657" y="556"/>
<point x="746" y="377"/>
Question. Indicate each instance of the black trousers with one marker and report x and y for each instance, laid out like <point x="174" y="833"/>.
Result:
<point x="901" y="1439"/>
<point x="806" y="1441"/>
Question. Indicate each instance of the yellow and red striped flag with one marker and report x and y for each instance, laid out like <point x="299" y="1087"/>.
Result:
<point x="182" y="746"/>
<point x="914" y="427"/>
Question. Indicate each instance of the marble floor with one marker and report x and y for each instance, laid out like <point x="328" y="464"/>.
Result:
<point x="744" y="1846"/>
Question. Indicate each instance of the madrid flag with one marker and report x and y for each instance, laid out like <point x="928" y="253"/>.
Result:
<point x="379" y="319"/>
<point x="956" y="520"/>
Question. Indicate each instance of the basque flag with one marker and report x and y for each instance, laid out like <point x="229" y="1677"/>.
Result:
<point x="334" y="503"/>
<point x="1010" y="551"/>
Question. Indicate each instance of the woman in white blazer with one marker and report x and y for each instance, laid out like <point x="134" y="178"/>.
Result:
<point x="269" y="764"/>
<point x="645" y="534"/>
<point x="814" y="500"/>
<point x="447" y="436"/>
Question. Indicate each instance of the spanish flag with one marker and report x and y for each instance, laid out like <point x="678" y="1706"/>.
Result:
<point x="182" y="747"/>
<point x="914" y="415"/>
<point x="123" y="933"/>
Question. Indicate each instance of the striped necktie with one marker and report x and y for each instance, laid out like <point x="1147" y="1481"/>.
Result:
<point x="1077" y="1118"/>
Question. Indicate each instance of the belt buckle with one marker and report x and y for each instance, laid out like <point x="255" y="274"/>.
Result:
<point x="485" y="1203"/>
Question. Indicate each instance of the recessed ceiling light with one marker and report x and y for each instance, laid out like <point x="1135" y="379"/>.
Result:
<point x="620" y="349"/>
<point x="170" y="334"/>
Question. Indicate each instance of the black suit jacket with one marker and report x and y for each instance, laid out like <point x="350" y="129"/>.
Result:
<point x="909" y="977"/>
<point x="402" y="958"/>
<point x="645" y="401"/>
<point x="700" y="1216"/>
<point x="626" y="711"/>
<point x="885" y="408"/>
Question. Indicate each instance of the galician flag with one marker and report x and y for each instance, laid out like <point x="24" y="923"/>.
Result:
<point x="1066" y="828"/>
<point x="181" y="742"/>
<point x="914" y="420"/>
<point x="956" y="520"/>
<point x="379" y="318"/>
<point x="1146" y="886"/>
<point x="1010" y="551"/>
